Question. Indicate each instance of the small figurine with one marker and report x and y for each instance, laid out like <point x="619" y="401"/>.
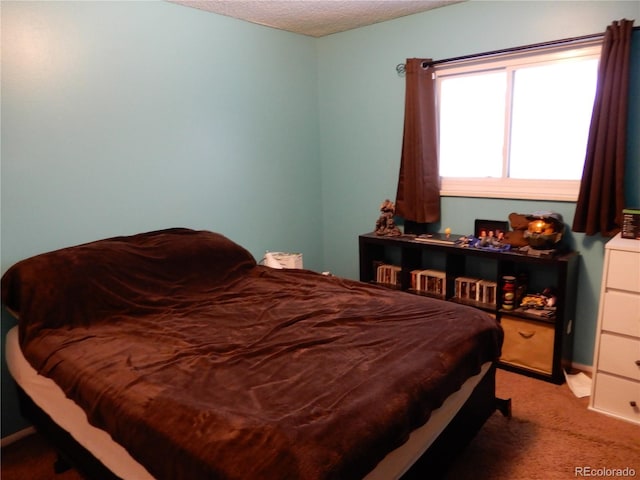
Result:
<point x="386" y="225"/>
<point x="550" y="295"/>
<point x="491" y="240"/>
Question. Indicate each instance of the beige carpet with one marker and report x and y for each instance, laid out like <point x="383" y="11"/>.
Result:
<point x="550" y="434"/>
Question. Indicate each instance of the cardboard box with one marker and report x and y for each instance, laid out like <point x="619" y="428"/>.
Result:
<point x="631" y="223"/>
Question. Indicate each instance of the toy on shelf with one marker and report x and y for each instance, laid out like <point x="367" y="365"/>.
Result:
<point x="386" y="225"/>
<point x="519" y="224"/>
<point x="544" y="230"/>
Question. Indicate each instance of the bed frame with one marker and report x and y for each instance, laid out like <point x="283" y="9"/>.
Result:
<point x="480" y="405"/>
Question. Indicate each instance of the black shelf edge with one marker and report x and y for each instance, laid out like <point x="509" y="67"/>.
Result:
<point x="489" y="307"/>
<point x="548" y="377"/>
<point x="409" y="241"/>
<point x="521" y="313"/>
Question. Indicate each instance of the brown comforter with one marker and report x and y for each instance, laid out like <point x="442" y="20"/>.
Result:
<point x="204" y="365"/>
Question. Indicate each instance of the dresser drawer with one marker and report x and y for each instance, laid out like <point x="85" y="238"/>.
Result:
<point x="621" y="313"/>
<point x="624" y="271"/>
<point x="616" y="396"/>
<point x="527" y="344"/>
<point x="619" y="355"/>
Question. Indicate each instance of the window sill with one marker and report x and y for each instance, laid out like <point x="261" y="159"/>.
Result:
<point x="555" y="190"/>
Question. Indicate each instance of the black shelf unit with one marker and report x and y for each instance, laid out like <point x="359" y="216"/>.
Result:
<point x="559" y="271"/>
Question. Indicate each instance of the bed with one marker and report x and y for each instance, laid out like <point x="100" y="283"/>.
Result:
<point x="191" y="361"/>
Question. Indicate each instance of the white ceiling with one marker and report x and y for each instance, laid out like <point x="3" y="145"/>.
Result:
<point x="315" y="18"/>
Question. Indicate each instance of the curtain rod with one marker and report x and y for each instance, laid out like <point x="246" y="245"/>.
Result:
<point x="401" y="67"/>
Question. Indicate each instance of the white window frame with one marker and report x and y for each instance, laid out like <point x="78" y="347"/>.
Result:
<point x="505" y="187"/>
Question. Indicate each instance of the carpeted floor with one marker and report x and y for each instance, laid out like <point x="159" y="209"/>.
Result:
<point x="550" y="436"/>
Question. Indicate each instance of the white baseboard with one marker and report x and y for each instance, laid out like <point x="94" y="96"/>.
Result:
<point x="582" y="368"/>
<point x="14" y="437"/>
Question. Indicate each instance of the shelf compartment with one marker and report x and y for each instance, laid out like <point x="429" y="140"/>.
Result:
<point x="387" y="274"/>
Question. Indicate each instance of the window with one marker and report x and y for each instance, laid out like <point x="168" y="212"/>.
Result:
<point x="516" y="125"/>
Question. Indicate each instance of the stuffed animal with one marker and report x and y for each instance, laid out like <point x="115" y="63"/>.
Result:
<point x="519" y="224"/>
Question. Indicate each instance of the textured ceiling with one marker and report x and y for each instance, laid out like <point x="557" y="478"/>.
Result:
<point x="315" y="18"/>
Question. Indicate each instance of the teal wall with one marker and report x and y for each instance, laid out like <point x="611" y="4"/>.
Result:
<point x="361" y="119"/>
<point x="121" y="117"/>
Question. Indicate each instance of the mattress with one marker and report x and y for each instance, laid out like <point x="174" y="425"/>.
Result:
<point x="51" y="399"/>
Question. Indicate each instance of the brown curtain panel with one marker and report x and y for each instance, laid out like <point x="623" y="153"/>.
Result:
<point x="418" y="195"/>
<point x="601" y="198"/>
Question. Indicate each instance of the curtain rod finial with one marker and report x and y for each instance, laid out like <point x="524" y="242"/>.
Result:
<point x="401" y="69"/>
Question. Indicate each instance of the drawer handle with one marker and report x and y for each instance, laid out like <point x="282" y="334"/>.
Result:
<point x="526" y="334"/>
<point x="638" y="363"/>
<point x="633" y="403"/>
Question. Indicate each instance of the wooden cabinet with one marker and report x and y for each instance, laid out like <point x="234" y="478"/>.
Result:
<point x="616" y="374"/>
<point x="535" y="345"/>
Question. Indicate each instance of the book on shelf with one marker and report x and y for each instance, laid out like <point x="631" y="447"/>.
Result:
<point x="441" y="238"/>
<point x="467" y="288"/>
<point x="477" y="290"/>
<point x="429" y="281"/>
<point x="388" y="274"/>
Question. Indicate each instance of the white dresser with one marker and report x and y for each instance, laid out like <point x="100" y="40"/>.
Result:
<point x="616" y="370"/>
